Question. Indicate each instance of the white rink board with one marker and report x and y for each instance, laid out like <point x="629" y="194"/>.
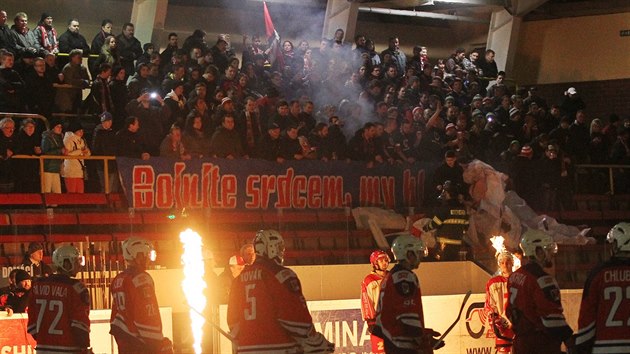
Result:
<point x="469" y="336"/>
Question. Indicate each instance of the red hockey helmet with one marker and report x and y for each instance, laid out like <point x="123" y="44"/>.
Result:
<point x="376" y="255"/>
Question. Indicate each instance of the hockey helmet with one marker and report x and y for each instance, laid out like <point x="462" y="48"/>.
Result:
<point x="532" y="239"/>
<point x="620" y="234"/>
<point x="133" y="246"/>
<point x="404" y="244"/>
<point x="376" y="255"/>
<point x="269" y="244"/>
<point x="72" y="255"/>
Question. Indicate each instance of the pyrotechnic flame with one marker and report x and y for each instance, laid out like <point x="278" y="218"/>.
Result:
<point x="498" y="242"/>
<point x="194" y="283"/>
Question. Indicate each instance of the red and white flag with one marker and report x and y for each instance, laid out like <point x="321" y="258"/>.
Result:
<point x="273" y="38"/>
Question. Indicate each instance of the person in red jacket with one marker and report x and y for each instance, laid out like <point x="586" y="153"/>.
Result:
<point x="267" y="312"/>
<point x="370" y="289"/>
<point x="496" y="302"/>
<point x="135" y="321"/>
<point x="605" y="310"/>
<point x="399" y="316"/>
<point x="534" y="308"/>
<point x="59" y="307"/>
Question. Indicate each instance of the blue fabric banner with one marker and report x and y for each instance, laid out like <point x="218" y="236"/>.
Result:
<point x="257" y="184"/>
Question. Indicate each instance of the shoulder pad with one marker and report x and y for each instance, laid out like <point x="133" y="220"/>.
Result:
<point x="287" y="277"/>
<point x="404" y="276"/>
<point x="79" y="287"/>
<point x="142" y="279"/>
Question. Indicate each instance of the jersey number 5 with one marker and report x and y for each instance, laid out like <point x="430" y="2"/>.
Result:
<point x="250" y="311"/>
<point x="618" y="293"/>
<point x="54" y="306"/>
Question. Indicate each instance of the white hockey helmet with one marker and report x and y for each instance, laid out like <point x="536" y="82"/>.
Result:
<point x="68" y="253"/>
<point x="532" y="239"/>
<point x="269" y="244"/>
<point x="619" y="236"/>
<point x="133" y="246"/>
<point x="404" y="244"/>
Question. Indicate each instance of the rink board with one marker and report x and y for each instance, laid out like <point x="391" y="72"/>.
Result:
<point x="340" y="321"/>
<point x="15" y="340"/>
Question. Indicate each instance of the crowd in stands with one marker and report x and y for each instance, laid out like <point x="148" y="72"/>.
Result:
<point x="339" y="101"/>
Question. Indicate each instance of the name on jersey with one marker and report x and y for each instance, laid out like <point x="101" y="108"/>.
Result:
<point x="616" y="275"/>
<point x="54" y="290"/>
<point x="251" y="275"/>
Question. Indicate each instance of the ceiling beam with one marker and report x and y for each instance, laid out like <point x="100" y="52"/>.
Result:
<point x="434" y="15"/>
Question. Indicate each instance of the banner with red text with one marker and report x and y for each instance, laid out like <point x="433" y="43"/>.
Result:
<point x="257" y="184"/>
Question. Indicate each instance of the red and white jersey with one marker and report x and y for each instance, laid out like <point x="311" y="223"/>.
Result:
<point x="370" y="289"/>
<point x="604" y="322"/>
<point x="496" y="303"/>
<point x="400" y="317"/>
<point x="58" y="314"/>
<point x="535" y="310"/>
<point x="135" y="318"/>
<point x="267" y="311"/>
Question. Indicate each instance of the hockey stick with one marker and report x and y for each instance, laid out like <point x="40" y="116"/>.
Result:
<point x="461" y="309"/>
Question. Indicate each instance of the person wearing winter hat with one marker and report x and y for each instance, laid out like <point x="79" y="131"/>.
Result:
<point x="74" y="171"/>
<point x="46" y="34"/>
<point x="33" y="261"/>
<point x="17" y="300"/>
<point x="52" y="144"/>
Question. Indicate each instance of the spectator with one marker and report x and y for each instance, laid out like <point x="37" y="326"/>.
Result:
<point x="236" y="264"/>
<point x="572" y="103"/>
<point x="108" y="54"/>
<point x="52" y="144"/>
<point x="129" y="143"/>
<point x="550" y="177"/>
<point x="168" y="52"/>
<point x="172" y="146"/>
<point x="488" y="67"/>
<point x="139" y="81"/>
<point x="46" y="34"/>
<point x="219" y="54"/>
<point x="129" y="48"/>
<point x="579" y="138"/>
<point x="71" y="40"/>
<point x="28" y="143"/>
<point x="119" y="93"/>
<point x="196" y="40"/>
<point x="7" y="39"/>
<point x="25" y="40"/>
<point x="226" y="141"/>
<point x="147" y="50"/>
<point x="11" y="84"/>
<point x="449" y="170"/>
<point x="176" y="103"/>
<point x="194" y="137"/>
<point x="471" y="63"/>
<point x="97" y="43"/>
<point x="249" y="124"/>
<point x="456" y="61"/>
<point x="75" y="74"/>
<point x="100" y="99"/>
<point x="524" y="175"/>
<point x="33" y="261"/>
<point x="399" y="58"/>
<point x="8" y="147"/>
<point x="598" y="147"/>
<point x="104" y="144"/>
<point x="41" y="94"/>
<point x="153" y="119"/>
<point x="533" y="97"/>
<point x="290" y="147"/>
<point x="17" y="300"/>
<point x="362" y="146"/>
<point x="268" y="147"/>
<point x="74" y="170"/>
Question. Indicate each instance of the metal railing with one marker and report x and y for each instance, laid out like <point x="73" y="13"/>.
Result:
<point x="611" y="169"/>
<point x="41" y="159"/>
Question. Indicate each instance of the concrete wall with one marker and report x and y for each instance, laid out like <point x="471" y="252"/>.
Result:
<point x="573" y="50"/>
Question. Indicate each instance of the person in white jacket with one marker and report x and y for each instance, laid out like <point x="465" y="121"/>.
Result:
<point x="74" y="169"/>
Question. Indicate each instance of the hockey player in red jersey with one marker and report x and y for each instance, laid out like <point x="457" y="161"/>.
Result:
<point x="370" y="289"/>
<point x="267" y="313"/>
<point x="59" y="307"/>
<point x="400" y="317"/>
<point x="604" y="321"/>
<point x="496" y="302"/>
<point x="135" y="321"/>
<point x="534" y="307"/>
